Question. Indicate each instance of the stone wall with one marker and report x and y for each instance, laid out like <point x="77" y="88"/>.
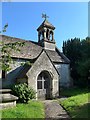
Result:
<point x="43" y="63"/>
<point x="64" y="70"/>
<point x="11" y="75"/>
<point x="49" y="45"/>
<point x="7" y="100"/>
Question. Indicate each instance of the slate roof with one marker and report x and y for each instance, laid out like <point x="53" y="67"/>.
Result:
<point x="46" y="24"/>
<point x="31" y="50"/>
<point x="54" y="56"/>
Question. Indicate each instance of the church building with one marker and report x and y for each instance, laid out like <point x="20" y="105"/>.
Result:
<point x="49" y="69"/>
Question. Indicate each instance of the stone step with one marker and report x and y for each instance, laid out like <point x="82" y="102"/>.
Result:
<point x="5" y="91"/>
<point x="7" y="105"/>
<point x="7" y="97"/>
<point x="7" y="100"/>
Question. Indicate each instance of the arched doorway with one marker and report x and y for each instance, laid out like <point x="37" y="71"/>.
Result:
<point x="44" y="85"/>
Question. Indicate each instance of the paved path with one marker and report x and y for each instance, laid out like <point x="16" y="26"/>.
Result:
<point x="54" y="111"/>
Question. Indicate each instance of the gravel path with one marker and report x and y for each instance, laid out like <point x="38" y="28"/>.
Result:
<point x="54" y="111"/>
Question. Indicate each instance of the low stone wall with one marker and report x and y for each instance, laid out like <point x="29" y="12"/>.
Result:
<point x="7" y="100"/>
<point x="7" y="105"/>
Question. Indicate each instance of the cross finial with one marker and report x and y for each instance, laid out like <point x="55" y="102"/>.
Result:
<point x="45" y="16"/>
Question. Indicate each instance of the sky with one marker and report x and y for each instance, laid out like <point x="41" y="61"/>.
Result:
<point x="44" y="0"/>
<point x="69" y="18"/>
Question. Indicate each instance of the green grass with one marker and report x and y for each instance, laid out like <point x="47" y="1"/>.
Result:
<point x="34" y="109"/>
<point x="77" y="105"/>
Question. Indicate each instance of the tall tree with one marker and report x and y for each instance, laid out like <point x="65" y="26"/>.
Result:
<point x="78" y="52"/>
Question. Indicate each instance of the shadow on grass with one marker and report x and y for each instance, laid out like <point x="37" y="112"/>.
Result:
<point x="82" y="112"/>
<point x="68" y="92"/>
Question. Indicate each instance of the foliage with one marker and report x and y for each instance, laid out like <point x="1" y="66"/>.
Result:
<point x="6" y="50"/>
<point x="34" y="109"/>
<point x="23" y="92"/>
<point x="83" y="70"/>
<point x="78" y="52"/>
<point x="4" y="28"/>
<point x="77" y="105"/>
<point x="6" y="53"/>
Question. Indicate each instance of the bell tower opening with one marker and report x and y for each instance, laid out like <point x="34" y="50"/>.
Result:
<point x="46" y="34"/>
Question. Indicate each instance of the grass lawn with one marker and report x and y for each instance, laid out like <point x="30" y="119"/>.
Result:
<point x="77" y="104"/>
<point x="34" y="109"/>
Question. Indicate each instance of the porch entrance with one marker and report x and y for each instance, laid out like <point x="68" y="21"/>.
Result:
<point x="44" y="85"/>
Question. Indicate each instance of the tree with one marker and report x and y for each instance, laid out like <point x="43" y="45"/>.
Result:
<point x="83" y="70"/>
<point x="71" y="49"/>
<point x="78" y="52"/>
<point x="83" y="67"/>
<point x="6" y="50"/>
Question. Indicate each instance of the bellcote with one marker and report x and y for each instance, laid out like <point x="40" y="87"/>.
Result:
<point x="46" y="35"/>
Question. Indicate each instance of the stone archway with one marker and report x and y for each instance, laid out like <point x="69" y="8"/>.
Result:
<point x="44" y="85"/>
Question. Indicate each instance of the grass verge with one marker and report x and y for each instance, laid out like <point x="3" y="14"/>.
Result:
<point x="34" y="109"/>
<point x="77" y="105"/>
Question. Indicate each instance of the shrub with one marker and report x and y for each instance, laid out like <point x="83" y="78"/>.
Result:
<point x="23" y="92"/>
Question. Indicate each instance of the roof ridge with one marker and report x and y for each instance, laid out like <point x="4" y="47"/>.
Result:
<point x="18" y="38"/>
<point x="32" y="50"/>
<point x="48" y="22"/>
<point x="51" y="62"/>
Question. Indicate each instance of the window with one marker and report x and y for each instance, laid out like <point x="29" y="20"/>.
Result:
<point x="39" y="84"/>
<point x="41" y="36"/>
<point x="43" y="81"/>
<point x="47" y="34"/>
<point x="51" y="36"/>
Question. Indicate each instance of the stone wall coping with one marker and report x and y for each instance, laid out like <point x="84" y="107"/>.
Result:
<point x="5" y="90"/>
<point x="8" y="98"/>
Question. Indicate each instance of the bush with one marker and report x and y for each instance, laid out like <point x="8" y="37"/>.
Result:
<point x="23" y="92"/>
